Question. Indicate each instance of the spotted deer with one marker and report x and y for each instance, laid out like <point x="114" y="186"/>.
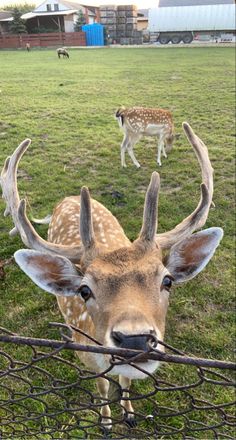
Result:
<point x="115" y="290"/>
<point x="62" y="51"/>
<point x="140" y="121"/>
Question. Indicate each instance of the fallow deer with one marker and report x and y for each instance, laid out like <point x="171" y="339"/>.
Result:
<point x="114" y="290"/>
<point x="62" y="51"/>
<point x="140" y="121"/>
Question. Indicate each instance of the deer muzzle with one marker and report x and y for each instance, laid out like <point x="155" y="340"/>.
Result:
<point x="133" y="342"/>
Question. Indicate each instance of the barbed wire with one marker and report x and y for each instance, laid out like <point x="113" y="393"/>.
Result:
<point x="45" y="393"/>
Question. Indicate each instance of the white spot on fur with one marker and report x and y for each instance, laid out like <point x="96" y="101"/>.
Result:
<point x="83" y="317"/>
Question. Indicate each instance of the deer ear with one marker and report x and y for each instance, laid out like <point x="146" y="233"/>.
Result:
<point x="189" y="257"/>
<point x="52" y="273"/>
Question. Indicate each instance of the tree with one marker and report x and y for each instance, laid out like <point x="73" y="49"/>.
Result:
<point x="17" y="26"/>
<point x="23" y="7"/>
<point x="80" y="21"/>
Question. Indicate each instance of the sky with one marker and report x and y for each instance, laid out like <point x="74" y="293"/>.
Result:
<point x="139" y="3"/>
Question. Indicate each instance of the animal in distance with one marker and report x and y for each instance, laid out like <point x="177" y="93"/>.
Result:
<point x="62" y="51"/>
<point x="113" y="290"/>
<point x="137" y="122"/>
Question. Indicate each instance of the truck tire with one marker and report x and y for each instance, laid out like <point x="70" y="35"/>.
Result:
<point x="164" y="39"/>
<point x="175" y="39"/>
<point x="188" y="38"/>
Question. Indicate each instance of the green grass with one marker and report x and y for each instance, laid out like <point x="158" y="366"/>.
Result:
<point x="66" y="107"/>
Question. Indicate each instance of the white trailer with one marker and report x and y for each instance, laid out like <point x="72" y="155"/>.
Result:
<point x="183" y="23"/>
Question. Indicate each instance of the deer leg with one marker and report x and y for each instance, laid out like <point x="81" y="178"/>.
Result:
<point x="130" y="151"/>
<point x="131" y="154"/>
<point x="163" y="150"/>
<point x="159" y="149"/>
<point x="103" y="388"/>
<point x="127" y="408"/>
<point x="123" y="149"/>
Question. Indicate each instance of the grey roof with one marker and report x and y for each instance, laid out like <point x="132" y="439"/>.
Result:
<point x="5" y="14"/>
<point x="143" y="13"/>
<point x="163" y="3"/>
<point x="75" y="6"/>
<point x="71" y="5"/>
<point x="91" y="8"/>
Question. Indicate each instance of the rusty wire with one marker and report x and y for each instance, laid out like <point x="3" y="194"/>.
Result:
<point x="46" y="394"/>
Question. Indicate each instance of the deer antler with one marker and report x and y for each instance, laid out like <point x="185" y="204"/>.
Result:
<point x="86" y="223"/>
<point x="9" y="185"/>
<point x="34" y="241"/>
<point x="199" y="216"/>
<point x="149" y="226"/>
<point x="17" y="209"/>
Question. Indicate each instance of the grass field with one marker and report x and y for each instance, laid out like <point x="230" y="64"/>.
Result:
<point x="66" y="107"/>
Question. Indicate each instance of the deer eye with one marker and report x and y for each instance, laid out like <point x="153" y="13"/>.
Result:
<point x="167" y="282"/>
<point x="85" y="292"/>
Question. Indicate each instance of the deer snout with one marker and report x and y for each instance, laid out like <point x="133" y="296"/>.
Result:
<point x="133" y="342"/>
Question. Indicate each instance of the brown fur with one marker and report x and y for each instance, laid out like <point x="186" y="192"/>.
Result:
<point x="140" y="121"/>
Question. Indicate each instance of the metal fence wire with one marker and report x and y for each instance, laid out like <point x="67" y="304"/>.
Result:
<point x="45" y="393"/>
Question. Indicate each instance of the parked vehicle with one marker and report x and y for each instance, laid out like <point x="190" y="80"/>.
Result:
<point x="185" y="23"/>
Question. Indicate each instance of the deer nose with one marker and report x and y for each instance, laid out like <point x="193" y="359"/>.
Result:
<point x="133" y="342"/>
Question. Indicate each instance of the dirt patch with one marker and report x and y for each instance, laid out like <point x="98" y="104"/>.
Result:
<point x="142" y="189"/>
<point x="4" y="125"/>
<point x="175" y="77"/>
<point x="3" y="264"/>
<point x="171" y="189"/>
<point x="23" y="175"/>
<point x="44" y="136"/>
<point x="15" y="311"/>
<point x="117" y="196"/>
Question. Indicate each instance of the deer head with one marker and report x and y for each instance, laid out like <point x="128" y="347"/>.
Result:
<point x="121" y="289"/>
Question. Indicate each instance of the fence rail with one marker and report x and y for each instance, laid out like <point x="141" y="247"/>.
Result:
<point x="45" y="393"/>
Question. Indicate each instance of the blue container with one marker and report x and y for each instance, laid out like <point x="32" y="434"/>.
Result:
<point x="94" y="34"/>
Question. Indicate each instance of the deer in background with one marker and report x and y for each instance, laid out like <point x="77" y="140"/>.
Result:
<point x="113" y="290"/>
<point x="62" y="51"/>
<point x="140" y="121"/>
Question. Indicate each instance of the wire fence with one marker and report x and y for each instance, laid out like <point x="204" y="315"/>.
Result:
<point x="45" y="393"/>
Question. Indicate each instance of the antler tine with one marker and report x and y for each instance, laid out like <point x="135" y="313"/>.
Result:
<point x="203" y="159"/>
<point x="8" y="183"/>
<point x="2" y="178"/>
<point x="199" y="216"/>
<point x="86" y="224"/>
<point x="17" y="209"/>
<point x="32" y="240"/>
<point x="149" y="226"/>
